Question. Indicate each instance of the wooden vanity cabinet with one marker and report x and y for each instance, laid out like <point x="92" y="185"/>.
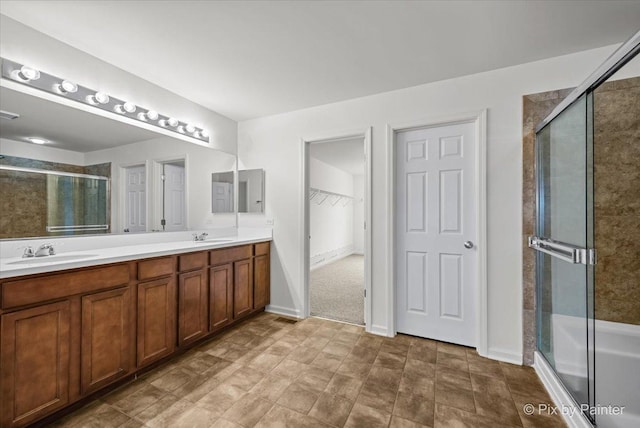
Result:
<point x="69" y="334"/>
<point x="34" y="359"/>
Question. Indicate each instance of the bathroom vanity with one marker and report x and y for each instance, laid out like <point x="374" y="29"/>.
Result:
<point x="69" y="334"/>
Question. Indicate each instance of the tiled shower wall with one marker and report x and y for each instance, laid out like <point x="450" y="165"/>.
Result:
<point x="617" y="202"/>
<point x="23" y="205"/>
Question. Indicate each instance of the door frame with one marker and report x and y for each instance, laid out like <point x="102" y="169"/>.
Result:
<point x="305" y="211"/>
<point x="479" y="118"/>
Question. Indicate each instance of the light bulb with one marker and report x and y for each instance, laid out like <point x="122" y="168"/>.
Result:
<point x="197" y="134"/>
<point x="127" y="107"/>
<point x="204" y="133"/>
<point x="26" y="73"/>
<point x="162" y="122"/>
<point x="66" y="87"/>
<point x="36" y="140"/>
<point x="180" y="129"/>
<point x="148" y="115"/>
<point x="98" y="98"/>
<point x="172" y="121"/>
<point x="190" y="128"/>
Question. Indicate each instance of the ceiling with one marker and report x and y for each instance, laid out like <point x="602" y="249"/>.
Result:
<point x="64" y="127"/>
<point x="347" y="155"/>
<point x="251" y="59"/>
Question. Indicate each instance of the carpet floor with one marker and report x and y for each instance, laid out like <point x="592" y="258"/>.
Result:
<point x="337" y="290"/>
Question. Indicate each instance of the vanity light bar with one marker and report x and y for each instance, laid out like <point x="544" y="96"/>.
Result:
<point x="54" y="85"/>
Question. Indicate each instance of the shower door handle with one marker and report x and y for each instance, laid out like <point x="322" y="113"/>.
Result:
<point x="567" y="252"/>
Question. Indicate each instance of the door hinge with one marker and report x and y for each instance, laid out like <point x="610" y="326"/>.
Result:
<point x="365" y="293"/>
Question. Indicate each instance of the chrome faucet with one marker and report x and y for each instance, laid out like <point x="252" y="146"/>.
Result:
<point x="200" y="237"/>
<point x="28" y="252"/>
<point x="45" y="250"/>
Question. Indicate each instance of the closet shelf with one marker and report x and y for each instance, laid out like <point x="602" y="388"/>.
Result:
<point x="319" y="197"/>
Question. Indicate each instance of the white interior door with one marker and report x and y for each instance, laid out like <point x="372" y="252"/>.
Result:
<point x="436" y="217"/>
<point x="136" y="199"/>
<point x="221" y="199"/>
<point x="174" y="203"/>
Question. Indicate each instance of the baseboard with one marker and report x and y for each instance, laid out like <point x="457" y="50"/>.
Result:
<point x="559" y="395"/>
<point x="505" y="356"/>
<point x="325" y="258"/>
<point x="280" y="310"/>
<point x="379" y="330"/>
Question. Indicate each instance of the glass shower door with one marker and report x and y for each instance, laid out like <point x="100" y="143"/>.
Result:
<point x="564" y="238"/>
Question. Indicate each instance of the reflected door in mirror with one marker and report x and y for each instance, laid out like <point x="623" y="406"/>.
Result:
<point x="136" y="202"/>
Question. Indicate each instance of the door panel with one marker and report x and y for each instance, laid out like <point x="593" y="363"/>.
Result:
<point x="435" y="197"/>
<point x="136" y="199"/>
<point x="174" y="197"/>
<point x="563" y="260"/>
<point x="220" y="296"/>
<point x="261" y="293"/>
<point x="106" y="345"/>
<point x="35" y="363"/>
<point x="156" y="320"/>
<point x="192" y="306"/>
<point x="242" y="288"/>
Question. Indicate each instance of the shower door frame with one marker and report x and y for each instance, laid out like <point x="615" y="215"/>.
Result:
<point x="547" y="374"/>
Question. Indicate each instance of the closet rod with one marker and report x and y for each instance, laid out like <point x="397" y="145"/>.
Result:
<point x="313" y="189"/>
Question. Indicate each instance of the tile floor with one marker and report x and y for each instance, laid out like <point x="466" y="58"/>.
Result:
<point x="267" y="372"/>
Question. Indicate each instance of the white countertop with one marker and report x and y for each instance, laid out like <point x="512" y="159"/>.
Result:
<point x="17" y="266"/>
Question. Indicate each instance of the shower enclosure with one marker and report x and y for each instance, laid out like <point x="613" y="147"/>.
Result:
<point x="588" y="220"/>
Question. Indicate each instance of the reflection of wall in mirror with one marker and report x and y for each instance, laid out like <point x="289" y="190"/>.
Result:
<point x="222" y="192"/>
<point x="202" y="162"/>
<point x="250" y="191"/>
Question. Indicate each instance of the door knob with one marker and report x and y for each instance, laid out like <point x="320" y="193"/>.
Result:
<point x="468" y="244"/>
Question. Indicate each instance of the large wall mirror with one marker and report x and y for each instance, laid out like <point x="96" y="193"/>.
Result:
<point x="94" y="175"/>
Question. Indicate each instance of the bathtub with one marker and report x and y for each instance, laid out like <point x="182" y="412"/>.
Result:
<point x="617" y="365"/>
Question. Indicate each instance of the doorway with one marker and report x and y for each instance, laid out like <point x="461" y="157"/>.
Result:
<point x="337" y="238"/>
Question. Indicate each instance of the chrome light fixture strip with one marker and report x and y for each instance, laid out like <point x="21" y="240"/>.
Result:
<point x="25" y="75"/>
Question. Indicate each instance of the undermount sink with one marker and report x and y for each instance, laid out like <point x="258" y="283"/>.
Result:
<point x="51" y="259"/>
<point x="213" y="241"/>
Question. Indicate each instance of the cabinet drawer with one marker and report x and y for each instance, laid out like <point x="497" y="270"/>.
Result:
<point x="261" y="248"/>
<point x="34" y="290"/>
<point x="192" y="261"/>
<point x="156" y="268"/>
<point x="227" y="255"/>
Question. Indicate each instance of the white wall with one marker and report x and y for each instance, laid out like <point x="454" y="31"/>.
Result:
<point x="358" y="214"/>
<point x="330" y="226"/>
<point x="274" y="143"/>
<point x="28" y="46"/>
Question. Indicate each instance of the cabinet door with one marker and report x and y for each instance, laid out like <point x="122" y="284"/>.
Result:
<point x="106" y="345"/>
<point x="242" y="288"/>
<point x="220" y="296"/>
<point x="261" y="289"/>
<point x="35" y="363"/>
<point x="156" y="320"/>
<point x="192" y="306"/>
